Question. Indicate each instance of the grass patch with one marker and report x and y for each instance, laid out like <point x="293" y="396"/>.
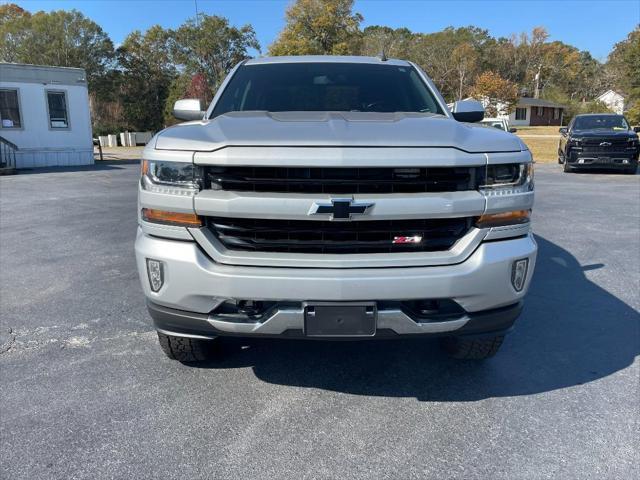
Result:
<point x="542" y="141"/>
<point x="543" y="149"/>
<point x="538" y="130"/>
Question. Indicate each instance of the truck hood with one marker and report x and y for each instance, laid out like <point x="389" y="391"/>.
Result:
<point x="334" y="129"/>
<point x="603" y="133"/>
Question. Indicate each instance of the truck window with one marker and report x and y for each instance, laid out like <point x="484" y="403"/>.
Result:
<point x="346" y="87"/>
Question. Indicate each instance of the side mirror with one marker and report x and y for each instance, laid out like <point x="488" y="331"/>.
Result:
<point x="563" y="130"/>
<point x="636" y="129"/>
<point x="468" y="111"/>
<point x="188" y="109"/>
<point x="513" y="130"/>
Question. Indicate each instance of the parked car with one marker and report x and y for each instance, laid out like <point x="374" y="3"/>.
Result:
<point x="499" y="123"/>
<point x="311" y="200"/>
<point x="599" y="141"/>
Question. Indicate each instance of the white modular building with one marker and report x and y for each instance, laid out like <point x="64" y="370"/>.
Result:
<point x="44" y="112"/>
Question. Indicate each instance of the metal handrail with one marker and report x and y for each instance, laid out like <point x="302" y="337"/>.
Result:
<point x="7" y="153"/>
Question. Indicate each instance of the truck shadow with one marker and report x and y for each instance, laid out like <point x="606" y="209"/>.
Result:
<point x="571" y="332"/>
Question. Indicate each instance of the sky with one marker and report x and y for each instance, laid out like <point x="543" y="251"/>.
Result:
<point x="593" y="25"/>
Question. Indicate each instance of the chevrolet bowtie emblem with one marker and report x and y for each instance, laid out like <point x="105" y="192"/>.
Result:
<point x="340" y="208"/>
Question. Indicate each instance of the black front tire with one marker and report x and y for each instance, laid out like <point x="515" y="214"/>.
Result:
<point x="462" y="348"/>
<point x="566" y="168"/>
<point x="186" y="350"/>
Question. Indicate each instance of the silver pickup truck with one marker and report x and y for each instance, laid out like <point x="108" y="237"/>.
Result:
<point x="333" y="198"/>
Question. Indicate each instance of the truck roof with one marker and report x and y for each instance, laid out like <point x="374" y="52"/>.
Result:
<point x="326" y="59"/>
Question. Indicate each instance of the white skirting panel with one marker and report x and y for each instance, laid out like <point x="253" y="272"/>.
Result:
<point x="33" y="158"/>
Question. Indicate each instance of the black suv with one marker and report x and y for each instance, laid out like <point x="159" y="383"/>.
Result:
<point x="599" y="141"/>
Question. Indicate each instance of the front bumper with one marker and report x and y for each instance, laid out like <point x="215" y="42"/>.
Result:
<point x="622" y="160"/>
<point x="194" y="284"/>
<point x="289" y="323"/>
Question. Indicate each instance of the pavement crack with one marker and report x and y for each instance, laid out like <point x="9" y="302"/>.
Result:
<point x="66" y="337"/>
<point x="7" y="340"/>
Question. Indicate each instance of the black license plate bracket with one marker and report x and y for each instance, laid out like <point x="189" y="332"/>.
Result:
<point x="340" y="319"/>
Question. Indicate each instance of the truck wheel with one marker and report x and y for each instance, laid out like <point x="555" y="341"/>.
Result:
<point x="472" y="348"/>
<point x="566" y="168"/>
<point x="186" y="350"/>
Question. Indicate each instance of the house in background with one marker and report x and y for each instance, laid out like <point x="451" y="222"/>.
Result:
<point x="528" y="112"/>
<point x="613" y="100"/>
<point x="44" y="112"/>
<point x="536" y="112"/>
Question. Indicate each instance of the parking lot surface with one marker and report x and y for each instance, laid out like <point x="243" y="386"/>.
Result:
<point x="86" y="393"/>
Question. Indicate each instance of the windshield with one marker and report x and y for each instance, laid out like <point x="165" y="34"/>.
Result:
<point x="344" y="87"/>
<point x="606" y="122"/>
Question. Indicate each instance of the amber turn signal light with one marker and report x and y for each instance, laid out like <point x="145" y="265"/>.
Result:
<point x="171" y="218"/>
<point x="504" y="218"/>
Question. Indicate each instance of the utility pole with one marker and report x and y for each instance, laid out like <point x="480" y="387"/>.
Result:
<point x="195" y="2"/>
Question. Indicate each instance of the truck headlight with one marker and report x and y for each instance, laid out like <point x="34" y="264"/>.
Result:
<point x="175" y="178"/>
<point x="507" y="179"/>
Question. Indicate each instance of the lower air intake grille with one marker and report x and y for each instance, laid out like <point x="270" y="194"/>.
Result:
<point x="303" y="236"/>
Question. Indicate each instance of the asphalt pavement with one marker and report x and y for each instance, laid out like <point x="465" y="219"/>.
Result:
<point x="86" y="393"/>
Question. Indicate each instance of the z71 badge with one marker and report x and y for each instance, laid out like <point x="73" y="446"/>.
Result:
<point x="413" y="239"/>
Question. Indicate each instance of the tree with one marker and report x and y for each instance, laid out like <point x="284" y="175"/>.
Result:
<point x="147" y="73"/>
<point x="377" y="39"/>
<point x="60" y="38"/>
<point x="208" y="45"/>
<point x="576" y="107"/>
<point x="499" y="95"/>
<point x="624" y="61"/>
<point x="465" y="60"/>
<point x="11" y="11"/>
<point x="559" y="65"/>
<point x="177" y="91"/>
<point x="589" y="81"/>
<point x="14" y="31"/>
<point x="319" y="27"/>
<point x="623" y="65"/>
<point x="185" y="86"/>
<point x="434" y="52"/>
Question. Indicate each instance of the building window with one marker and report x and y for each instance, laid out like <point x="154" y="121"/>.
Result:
<point x="540" y="111"/>
<point x="556" y="113"/>
<point x="10" y="109"/>
<point x="521" y="113"/>
<point x="57" y="108"/>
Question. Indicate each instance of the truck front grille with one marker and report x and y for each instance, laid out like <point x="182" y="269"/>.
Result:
<point x="305" y="236"/>
<point x="592" y="145"/>
<point x="342" y="180"/>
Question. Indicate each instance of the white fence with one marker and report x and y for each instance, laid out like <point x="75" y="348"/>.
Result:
<point x="127" y="139"/>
